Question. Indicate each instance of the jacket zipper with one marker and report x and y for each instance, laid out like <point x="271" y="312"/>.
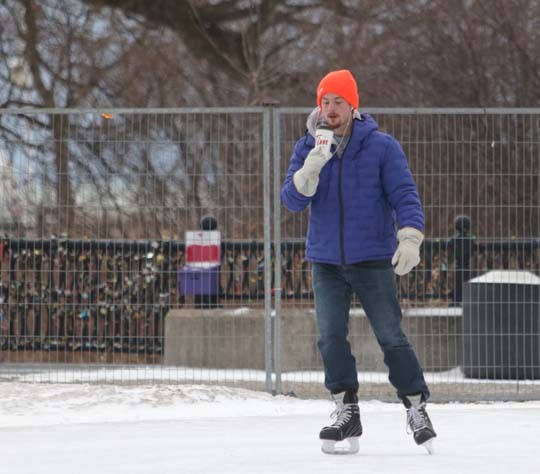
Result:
<point x="341" y="207"/>
<point x="341" y="214"/>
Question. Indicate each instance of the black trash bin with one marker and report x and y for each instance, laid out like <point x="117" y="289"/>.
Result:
<point x="501" y="338"/>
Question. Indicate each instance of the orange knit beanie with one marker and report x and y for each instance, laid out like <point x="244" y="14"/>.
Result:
<point x="341" y="83"/>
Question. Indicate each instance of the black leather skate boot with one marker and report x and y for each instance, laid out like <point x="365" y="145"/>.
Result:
<point x="418" y="422"/>
<point x="347" y="426"/>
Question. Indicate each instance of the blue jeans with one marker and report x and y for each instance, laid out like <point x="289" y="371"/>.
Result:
<point x="375" y="285"/>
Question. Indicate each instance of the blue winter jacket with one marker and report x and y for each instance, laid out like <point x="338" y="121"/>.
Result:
<point x="360" y="199"/>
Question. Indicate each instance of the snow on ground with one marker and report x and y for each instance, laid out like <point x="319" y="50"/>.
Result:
<point x="36" y="373"/>
<point x="188" y="429"/>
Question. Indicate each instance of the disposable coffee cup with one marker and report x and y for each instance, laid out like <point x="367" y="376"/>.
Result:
<point x="323" y="138"/>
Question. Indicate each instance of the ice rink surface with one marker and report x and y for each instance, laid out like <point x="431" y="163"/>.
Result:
<point x="98" y="429"/>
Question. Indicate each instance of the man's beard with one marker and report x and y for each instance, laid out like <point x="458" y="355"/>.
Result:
<point x="340" y="125"/>
<point x="334" y="126"/>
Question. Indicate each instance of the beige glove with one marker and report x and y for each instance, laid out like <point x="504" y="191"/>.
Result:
<point x="407" y="255"/>
<point x="306" y="179"/>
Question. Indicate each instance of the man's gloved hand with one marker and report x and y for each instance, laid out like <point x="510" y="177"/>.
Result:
<point x="407" y="255"/>
<point x="306" y="178"/>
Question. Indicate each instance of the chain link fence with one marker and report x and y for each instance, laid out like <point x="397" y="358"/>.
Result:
<point x="96" y="280"/>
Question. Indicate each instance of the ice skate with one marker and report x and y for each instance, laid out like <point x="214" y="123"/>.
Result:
<point x="418" y="422"/>
<point x="342" y="436"/>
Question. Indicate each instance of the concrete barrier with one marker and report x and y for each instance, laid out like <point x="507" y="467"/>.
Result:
<point x="234" y="338"/>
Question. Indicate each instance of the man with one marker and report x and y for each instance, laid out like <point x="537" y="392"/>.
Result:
<point x="359" y="192"/>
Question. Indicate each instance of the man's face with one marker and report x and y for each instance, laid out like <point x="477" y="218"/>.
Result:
<point x="337" y="112"/>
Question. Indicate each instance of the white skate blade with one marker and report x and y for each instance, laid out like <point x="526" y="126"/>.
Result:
<point x="429" y="446"/>
<point x="347" y="446"/>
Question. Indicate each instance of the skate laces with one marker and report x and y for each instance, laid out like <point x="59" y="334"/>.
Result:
<point x="416" y="418"/>
<point x="342" y="413"/>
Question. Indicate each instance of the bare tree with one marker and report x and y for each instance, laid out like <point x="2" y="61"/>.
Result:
<point x="132" y="53"/>
<point x="56" y="59"/>
<point x="463" y="53"/>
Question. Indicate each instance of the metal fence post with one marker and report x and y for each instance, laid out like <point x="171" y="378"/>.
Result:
<point x="277" y="249"/>
<point x="267" y="252"/>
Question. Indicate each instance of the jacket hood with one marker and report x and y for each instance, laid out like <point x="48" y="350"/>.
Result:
<point x="367" y="121"/>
